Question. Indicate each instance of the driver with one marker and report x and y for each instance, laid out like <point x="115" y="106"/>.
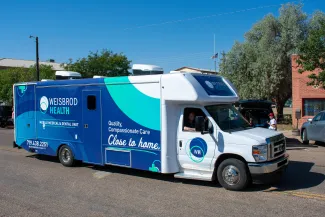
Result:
<point x="189" y="124"/>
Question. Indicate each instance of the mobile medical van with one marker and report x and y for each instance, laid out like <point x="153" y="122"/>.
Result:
<point x="180" y="123"/>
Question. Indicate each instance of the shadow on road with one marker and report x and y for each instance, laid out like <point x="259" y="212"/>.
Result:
<point x="294" y="143"/>
<point x="297" y="176"/>
<point x="300" y="176"/>
<point x="151" y="175"/>
<point x="129" y="171"/>
<point x="44" y="158"/>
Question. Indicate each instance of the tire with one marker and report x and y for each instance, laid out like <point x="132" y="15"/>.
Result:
<point x="304" y="137"/>
<point x="66" y="156"/>
<point x="236" y="170"/>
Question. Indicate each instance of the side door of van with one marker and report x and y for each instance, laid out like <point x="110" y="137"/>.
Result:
<point x="195" y="150"/>
<point x="92" y="126"/>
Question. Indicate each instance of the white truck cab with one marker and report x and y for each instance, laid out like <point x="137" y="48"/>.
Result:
<point x="218" y="144"/>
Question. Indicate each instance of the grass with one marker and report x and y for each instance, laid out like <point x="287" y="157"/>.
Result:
<point x="284" y="127"/>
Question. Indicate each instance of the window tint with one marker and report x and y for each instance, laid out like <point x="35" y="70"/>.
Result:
<point x="91" y="102"/>
<point x="317" y="117"/>
<point x="323" y="117"/>
<point x="313" y="106"/>
<point x="214" y="85"/>
<point x="189" y="119"/>
<point x="227" y="117"/>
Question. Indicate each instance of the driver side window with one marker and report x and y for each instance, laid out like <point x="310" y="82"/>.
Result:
<point x="317" y="117"/>
<point x="189" y="116"/>
<point x="323" y="118"/>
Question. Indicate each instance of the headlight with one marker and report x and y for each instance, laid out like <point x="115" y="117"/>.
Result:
<point x="260" y="153"/>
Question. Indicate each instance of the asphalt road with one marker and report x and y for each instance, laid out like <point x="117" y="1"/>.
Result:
<point x="31" y="185"/>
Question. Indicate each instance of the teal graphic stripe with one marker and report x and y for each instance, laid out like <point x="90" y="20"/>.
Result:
<point x="131" y="149"/>
<point x="141" y="108"/>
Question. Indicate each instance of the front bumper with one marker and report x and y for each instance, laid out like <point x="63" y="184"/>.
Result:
<point x="268" y="167"/>
<point x="268" y="172"/>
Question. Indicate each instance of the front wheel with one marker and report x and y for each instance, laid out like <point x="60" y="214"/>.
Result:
<point x="232" y="174"/>
<point x="304" y="137"/>
<point x="66" y="156"/>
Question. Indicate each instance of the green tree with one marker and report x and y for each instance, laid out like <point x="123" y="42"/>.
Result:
<point x="260" y="67"/>
<point x="15" y="75"/>
<point x="312" y="51"/>
<point x="104" y="63"/>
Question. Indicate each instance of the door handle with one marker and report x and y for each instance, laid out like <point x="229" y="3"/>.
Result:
<point x="180" y="143"/>
<point x="85" y="125"/>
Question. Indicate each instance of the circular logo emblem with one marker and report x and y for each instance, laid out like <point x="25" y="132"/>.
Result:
<point x="209" y="84"/>
<point x="44" y="104"/>
<point x="196" y="149"/>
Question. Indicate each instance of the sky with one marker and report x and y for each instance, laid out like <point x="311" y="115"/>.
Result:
<point x="169" y="33"/>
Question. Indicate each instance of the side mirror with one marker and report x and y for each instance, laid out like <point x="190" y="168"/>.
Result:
<point x="310" y="120"/>
<point x="200" y="125"/>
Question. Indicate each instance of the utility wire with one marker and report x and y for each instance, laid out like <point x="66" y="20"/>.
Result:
<point x="180" y="60"/>
<point x="209" y="16"/>
<point x="180" y="56"/>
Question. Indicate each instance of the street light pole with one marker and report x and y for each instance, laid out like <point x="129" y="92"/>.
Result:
<point x="37" y="57"/>
<point x="214" y="53"/>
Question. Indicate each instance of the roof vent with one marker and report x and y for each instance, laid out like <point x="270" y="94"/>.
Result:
<point x="144" y="69"/>
<point x="63" y="75"/>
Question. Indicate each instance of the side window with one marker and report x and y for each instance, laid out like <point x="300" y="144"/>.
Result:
<point x="91" y="102"/>
<point x="189" y="119"/>
<point x="323" y="118"/>
<point x="317" y="117"/>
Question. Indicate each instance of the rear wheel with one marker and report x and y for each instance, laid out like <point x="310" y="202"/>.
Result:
<point x="232" y="174"/>
<point x="66" y="156"/>
<point x="304" y="137"/>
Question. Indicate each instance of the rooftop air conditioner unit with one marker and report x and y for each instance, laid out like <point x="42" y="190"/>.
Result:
<point x="144" y="69"/>
<point x="63" y="75"/>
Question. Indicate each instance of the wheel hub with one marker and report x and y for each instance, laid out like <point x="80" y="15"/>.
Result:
<point x="231" y="175"/>
<point x="65" y="155"/>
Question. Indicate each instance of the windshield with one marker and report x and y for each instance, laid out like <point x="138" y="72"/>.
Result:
<point x="227" y="117"/>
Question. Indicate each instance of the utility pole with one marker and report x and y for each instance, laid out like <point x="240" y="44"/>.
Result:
<point x="37" y="57"/>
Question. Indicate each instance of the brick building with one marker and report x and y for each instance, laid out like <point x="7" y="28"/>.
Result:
<point x="310" y="100"/>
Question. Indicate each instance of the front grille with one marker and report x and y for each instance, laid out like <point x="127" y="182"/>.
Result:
<point x="277" y="147"/>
